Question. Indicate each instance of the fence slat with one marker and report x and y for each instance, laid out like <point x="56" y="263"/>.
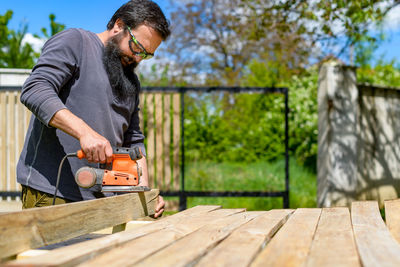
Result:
<point x="176" y="139"/>
<point x="10" y="142"/>
<point x="159" y="141"/>
<point x="3" y="150"/>
<point x="167" y="141"/>
<point x="150" y="138"/>
<point x="141" y="110"/>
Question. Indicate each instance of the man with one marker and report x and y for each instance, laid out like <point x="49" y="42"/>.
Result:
<point x="85" y="95"/>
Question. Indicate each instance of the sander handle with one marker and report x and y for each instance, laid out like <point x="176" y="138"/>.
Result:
<point x="134" y="152"/>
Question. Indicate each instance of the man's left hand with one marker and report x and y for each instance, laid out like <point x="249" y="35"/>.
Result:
<point x="160" y="207"/>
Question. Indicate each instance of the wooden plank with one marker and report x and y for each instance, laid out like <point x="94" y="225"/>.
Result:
<point x="21" y="134"/>
<point x="333" y="243"/>
<point x="167" y="141"/>
<point x="141" y="111"/>
<point x="77" y="253"/>
<point x="240" y="248"/>
<point x="159" y="141"/>
<point x="176" y="140"/>
<point x="21" y="125"/>
<point x="392" y="215"/>
<point x="3" y="132"/>
<point x="159" y="240"/>
<point x="192" y="246"/>
<point x="38" y="227"/>
<point x="376" y="246"/>
<point x="10" y="142"/>
<point x="291" y="244"/>
<point x="13" y="141"/>
<point x="150" y="138"/>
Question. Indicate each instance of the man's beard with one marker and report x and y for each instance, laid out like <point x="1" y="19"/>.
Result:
<point x="123" y="80"/>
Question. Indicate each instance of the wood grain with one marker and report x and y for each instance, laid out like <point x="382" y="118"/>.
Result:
<point x="150" y="138"/>
<point x="376" y="246"/>
<point x="12" y="141"/>
<point x="192" y="246"/>
<point x="78" y="253"/>
<point x="290" y="246"/>
<point x="141" y="110"/>
<point x="240" y="248"/>
<point x="159" y="142"/>
<point x="392" y="215"/>
<point x="159" y="240"/>
<point x="333" y="243"/>
<point x="167" y="141"/>
<point x="38" y="227"/>
<point x="3" y="148"/>
<point x="176" y="139"/>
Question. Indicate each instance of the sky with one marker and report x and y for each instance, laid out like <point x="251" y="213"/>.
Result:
<point x="93" y="16"/>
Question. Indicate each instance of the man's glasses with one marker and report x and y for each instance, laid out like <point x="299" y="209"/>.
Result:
<point x="144" y="54"/>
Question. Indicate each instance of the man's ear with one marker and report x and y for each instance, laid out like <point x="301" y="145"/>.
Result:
<point x="118" y="26"/>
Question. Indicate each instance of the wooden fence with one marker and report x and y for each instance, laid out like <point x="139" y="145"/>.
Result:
<point x="160" y="120"/>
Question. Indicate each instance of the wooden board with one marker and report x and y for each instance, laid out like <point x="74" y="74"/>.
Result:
<point x="167" y="141"/>
<point x="78" y="253"/>
<point x="38" y="227"/>
<point x="292" y="243"/>
<point x="3" y="148"/>
<point x="141" y="111"/>
<point x="333" y="243"/>
<point x="192" y="246"/>
<point x="376" y="246"/>
<point x="176" y="139"/>
<point x="159" y="240"/>
<point x="150" y="138"/>
<point x="240" y="248"/>
<point x="12" y="142"/>
<point x="159" y="142"/>
<point x="392" y="215"/>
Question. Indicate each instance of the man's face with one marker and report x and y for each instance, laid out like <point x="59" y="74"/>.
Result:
<point x="122" y="55"/>
<point x="143" y="40"/>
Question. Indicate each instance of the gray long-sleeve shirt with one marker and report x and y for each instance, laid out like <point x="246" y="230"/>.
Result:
<point x="70" y="74"/>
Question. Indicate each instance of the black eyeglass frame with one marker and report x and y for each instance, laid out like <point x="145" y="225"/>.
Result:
<point x="144" y="54"/>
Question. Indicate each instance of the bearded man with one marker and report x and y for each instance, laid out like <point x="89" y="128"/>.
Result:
<point x="85" y="95"/>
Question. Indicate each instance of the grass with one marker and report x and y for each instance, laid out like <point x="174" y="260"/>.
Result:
<point x="259" y="176"/>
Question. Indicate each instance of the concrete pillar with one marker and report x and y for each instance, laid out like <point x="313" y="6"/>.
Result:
<point x="337" y="138"/>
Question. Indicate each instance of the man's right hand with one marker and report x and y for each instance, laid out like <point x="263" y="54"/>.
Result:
<point x="97" y="149"/>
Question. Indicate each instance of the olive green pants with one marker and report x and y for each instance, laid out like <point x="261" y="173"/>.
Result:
<point x="32" y="198"/>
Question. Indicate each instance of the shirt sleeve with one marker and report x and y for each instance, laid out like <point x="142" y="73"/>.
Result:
<point x="56" y="65"/>
<point x="133" y="136"/>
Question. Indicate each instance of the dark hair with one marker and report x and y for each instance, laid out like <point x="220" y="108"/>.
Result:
<point x="137" y="12"/>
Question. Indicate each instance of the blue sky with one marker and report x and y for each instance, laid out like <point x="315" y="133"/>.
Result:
<point x="93" y="15"/>
<point x="88" y="14"/>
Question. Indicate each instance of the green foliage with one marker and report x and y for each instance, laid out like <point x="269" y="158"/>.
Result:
<point x="13" y="53"/>
<point x="55" y="27"/>
<point x="250" y="127"/>
<point x="384" y="74"/>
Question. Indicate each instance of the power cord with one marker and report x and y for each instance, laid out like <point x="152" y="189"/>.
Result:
<point x="59" y="173"/>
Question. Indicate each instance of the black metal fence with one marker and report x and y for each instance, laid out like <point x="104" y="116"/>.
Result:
<point x="184" y="194"/>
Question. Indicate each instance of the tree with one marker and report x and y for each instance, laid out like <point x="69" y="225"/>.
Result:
<point x="219" y="38"/>
<point x="55" y="27"/>
<point x="14" y="53"/>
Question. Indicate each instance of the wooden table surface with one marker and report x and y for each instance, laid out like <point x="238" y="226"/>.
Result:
<point x="213" y="236"/>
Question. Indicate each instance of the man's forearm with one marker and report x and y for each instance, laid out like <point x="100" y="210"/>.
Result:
<point x="96" y="147"/>
<point x="66" y="121"/>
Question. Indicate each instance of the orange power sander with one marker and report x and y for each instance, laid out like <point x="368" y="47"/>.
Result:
<point x="122" y="175"/>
